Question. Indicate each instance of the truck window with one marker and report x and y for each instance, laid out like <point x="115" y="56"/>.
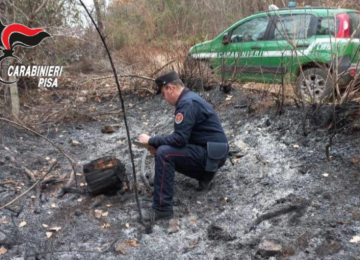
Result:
<point x="253" y="30"/>
<point x="289" y="27"/>
<point x="355" y="25"/>
<point x="326" y="26"/>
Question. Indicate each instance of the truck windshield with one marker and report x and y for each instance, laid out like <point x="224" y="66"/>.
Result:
<point x="326" y="26"/>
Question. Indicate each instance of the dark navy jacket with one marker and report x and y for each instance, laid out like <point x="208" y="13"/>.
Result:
<point x="199" y="125"/>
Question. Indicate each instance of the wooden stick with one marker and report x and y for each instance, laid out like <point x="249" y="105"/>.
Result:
<point x="71" y="179"/>
<point x="29" y="173"/>
<point x="36" y="183"/>
<point x="7" y="182"/>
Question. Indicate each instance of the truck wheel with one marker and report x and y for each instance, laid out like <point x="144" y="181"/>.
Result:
<point x="314" y="84"/>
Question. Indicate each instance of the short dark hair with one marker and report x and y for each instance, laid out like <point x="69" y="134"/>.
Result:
<point x="177" y="82"/>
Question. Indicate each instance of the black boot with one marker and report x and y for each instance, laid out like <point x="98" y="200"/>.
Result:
<point x="203" y="185"/>
<point x="205" y="181"/>
<point x="155" y="215"/>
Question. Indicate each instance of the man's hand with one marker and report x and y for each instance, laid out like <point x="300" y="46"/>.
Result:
<point x="144" y="138"/>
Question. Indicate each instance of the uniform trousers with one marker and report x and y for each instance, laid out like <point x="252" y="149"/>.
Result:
<point x="189" y="160"/>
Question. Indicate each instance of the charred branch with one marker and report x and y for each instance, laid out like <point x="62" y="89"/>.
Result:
<point x="122" y="106"/>
<point x="273" y="214"/>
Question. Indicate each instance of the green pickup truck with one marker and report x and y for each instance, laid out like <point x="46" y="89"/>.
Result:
<point x="303" y="46"/>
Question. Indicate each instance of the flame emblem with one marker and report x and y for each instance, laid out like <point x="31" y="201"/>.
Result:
<point x="17" y="34"/>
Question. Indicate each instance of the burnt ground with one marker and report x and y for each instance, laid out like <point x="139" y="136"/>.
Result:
<point x="282" y="199"/>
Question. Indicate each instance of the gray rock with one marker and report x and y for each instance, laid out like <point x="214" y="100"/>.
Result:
<point x="173" y="226"/>
<point x="108" y="129"/>
<point x="75" y="143"/>
<point x="217" y="231"/>
<point x="242" y="146"/>
<point x="269" y="248"/>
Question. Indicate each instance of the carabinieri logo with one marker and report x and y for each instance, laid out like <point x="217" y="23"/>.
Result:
<point x="17" y="34"/>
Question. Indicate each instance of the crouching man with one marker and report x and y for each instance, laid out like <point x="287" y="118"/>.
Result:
<point x="197" y="147"/>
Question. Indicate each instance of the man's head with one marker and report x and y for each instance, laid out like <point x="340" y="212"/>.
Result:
<point x="170" y="86"/>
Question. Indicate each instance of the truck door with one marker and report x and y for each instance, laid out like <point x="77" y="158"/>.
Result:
<point x="289" y="44"/>
<point x="241" y="58"/>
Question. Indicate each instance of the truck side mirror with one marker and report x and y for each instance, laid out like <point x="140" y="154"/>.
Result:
<point x="225" y="39"/>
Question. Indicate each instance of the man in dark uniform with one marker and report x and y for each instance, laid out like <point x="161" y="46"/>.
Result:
<point x="186" y="150"/>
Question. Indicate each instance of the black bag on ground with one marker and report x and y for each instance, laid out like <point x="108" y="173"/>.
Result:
<point x="216" y="152"/>
<point x="105" y="175"/>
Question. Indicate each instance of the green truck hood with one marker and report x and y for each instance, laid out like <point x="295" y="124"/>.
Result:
<point x="201" y="47"/>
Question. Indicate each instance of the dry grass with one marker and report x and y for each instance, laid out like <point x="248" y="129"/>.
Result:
<point x="142" y="52"/>
<point x="271" y="88"/>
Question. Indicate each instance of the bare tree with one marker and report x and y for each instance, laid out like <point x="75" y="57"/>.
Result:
<point x="100" y="23"/>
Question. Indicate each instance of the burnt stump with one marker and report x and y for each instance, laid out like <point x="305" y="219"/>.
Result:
<point x="105" y="175"/>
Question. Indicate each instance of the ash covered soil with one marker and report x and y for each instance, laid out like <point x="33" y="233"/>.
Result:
<point x="282" y="198"/>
